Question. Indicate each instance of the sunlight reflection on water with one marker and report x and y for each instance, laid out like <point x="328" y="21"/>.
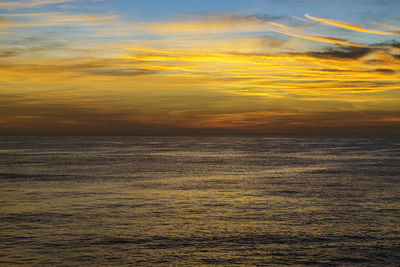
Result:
<point x="199" y="200"/>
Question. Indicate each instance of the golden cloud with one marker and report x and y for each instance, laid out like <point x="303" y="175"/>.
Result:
<point x="348" y="26"/>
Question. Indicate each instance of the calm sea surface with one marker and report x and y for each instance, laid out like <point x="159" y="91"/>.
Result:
<point x="93" y="201"/>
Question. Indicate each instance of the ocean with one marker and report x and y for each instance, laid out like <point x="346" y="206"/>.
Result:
<point x="190" y="201"/>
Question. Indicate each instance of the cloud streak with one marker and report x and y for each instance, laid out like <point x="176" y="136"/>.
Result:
<point x="29" y="3"/>
<point x="388" y="26"/>
<point x="349" y="26"/>
<point x="53" y="19"/>
<point x="232" y="23"/>
<point x="324" y="39"/>
<point x="207" y="24"/>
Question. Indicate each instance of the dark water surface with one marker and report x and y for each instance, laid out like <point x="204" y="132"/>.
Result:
<point x="93" y="201"/>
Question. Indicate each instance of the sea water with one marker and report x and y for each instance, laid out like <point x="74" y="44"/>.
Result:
<point x="184" y="201"/>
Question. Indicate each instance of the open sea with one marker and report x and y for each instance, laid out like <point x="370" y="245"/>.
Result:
<point x="189" y="201"/>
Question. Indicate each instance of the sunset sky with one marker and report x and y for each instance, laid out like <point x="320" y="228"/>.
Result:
<point x="121" y="67"/>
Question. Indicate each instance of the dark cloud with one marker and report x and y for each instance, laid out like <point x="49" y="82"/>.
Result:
<point x="12" y="52"/>
<point x="121" y="71"/>
<point x="82" y="117"/>
<point x="66" y="119"/>
<point x="274" y="41"/>
<point x="107" y="67"/>
<point x="390" y="43"/>
<point x="343" y="52"/>
<point x="384" y="70"/>
<point x="8" y="53"/>
<point x="334" y="70"/>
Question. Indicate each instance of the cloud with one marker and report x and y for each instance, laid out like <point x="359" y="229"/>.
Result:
<point x="233" y="23"/>
<point x="29" y="3"/>
<point x="348" y="26"/>
<point x="225" y="68"/>
<point x="207" y="24"/>
<point x="118" y="71"/>
<point x="197" y="25"/>
<point x="56" y="112"/>
<point x="287" y="30"/>
<point x="386" y="26"/>
<point x="12" y="52"/>
<point x="390" y="43"/>
<point x="344" y="52"/>
<point x="104" y="67"/>
<point x="390" y="71"/>
<point x="185" y="77"/>
<point x="28" y="20"/>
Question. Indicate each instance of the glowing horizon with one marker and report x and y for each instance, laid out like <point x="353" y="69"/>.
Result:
<point x="129" y="67"/>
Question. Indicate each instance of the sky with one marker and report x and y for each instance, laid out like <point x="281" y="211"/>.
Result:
<point x="179" y="67"/>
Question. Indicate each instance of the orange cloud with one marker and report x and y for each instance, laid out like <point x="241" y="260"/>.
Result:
<point x="207" y="24"/>
<point x="348" y="26"/>
<point x="324" y="39"/>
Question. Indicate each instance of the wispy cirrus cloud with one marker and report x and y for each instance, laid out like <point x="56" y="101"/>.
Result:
<point x="291" y="31"/>
<point x="234" y="23"/>
<point x="11" y="5"/>
<point x="348" y="26"/>
<point x="387" y="26"/>
<point x="29" y="20"/>
<point x="197" y="25"/>
<point x="206" y="24"/>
